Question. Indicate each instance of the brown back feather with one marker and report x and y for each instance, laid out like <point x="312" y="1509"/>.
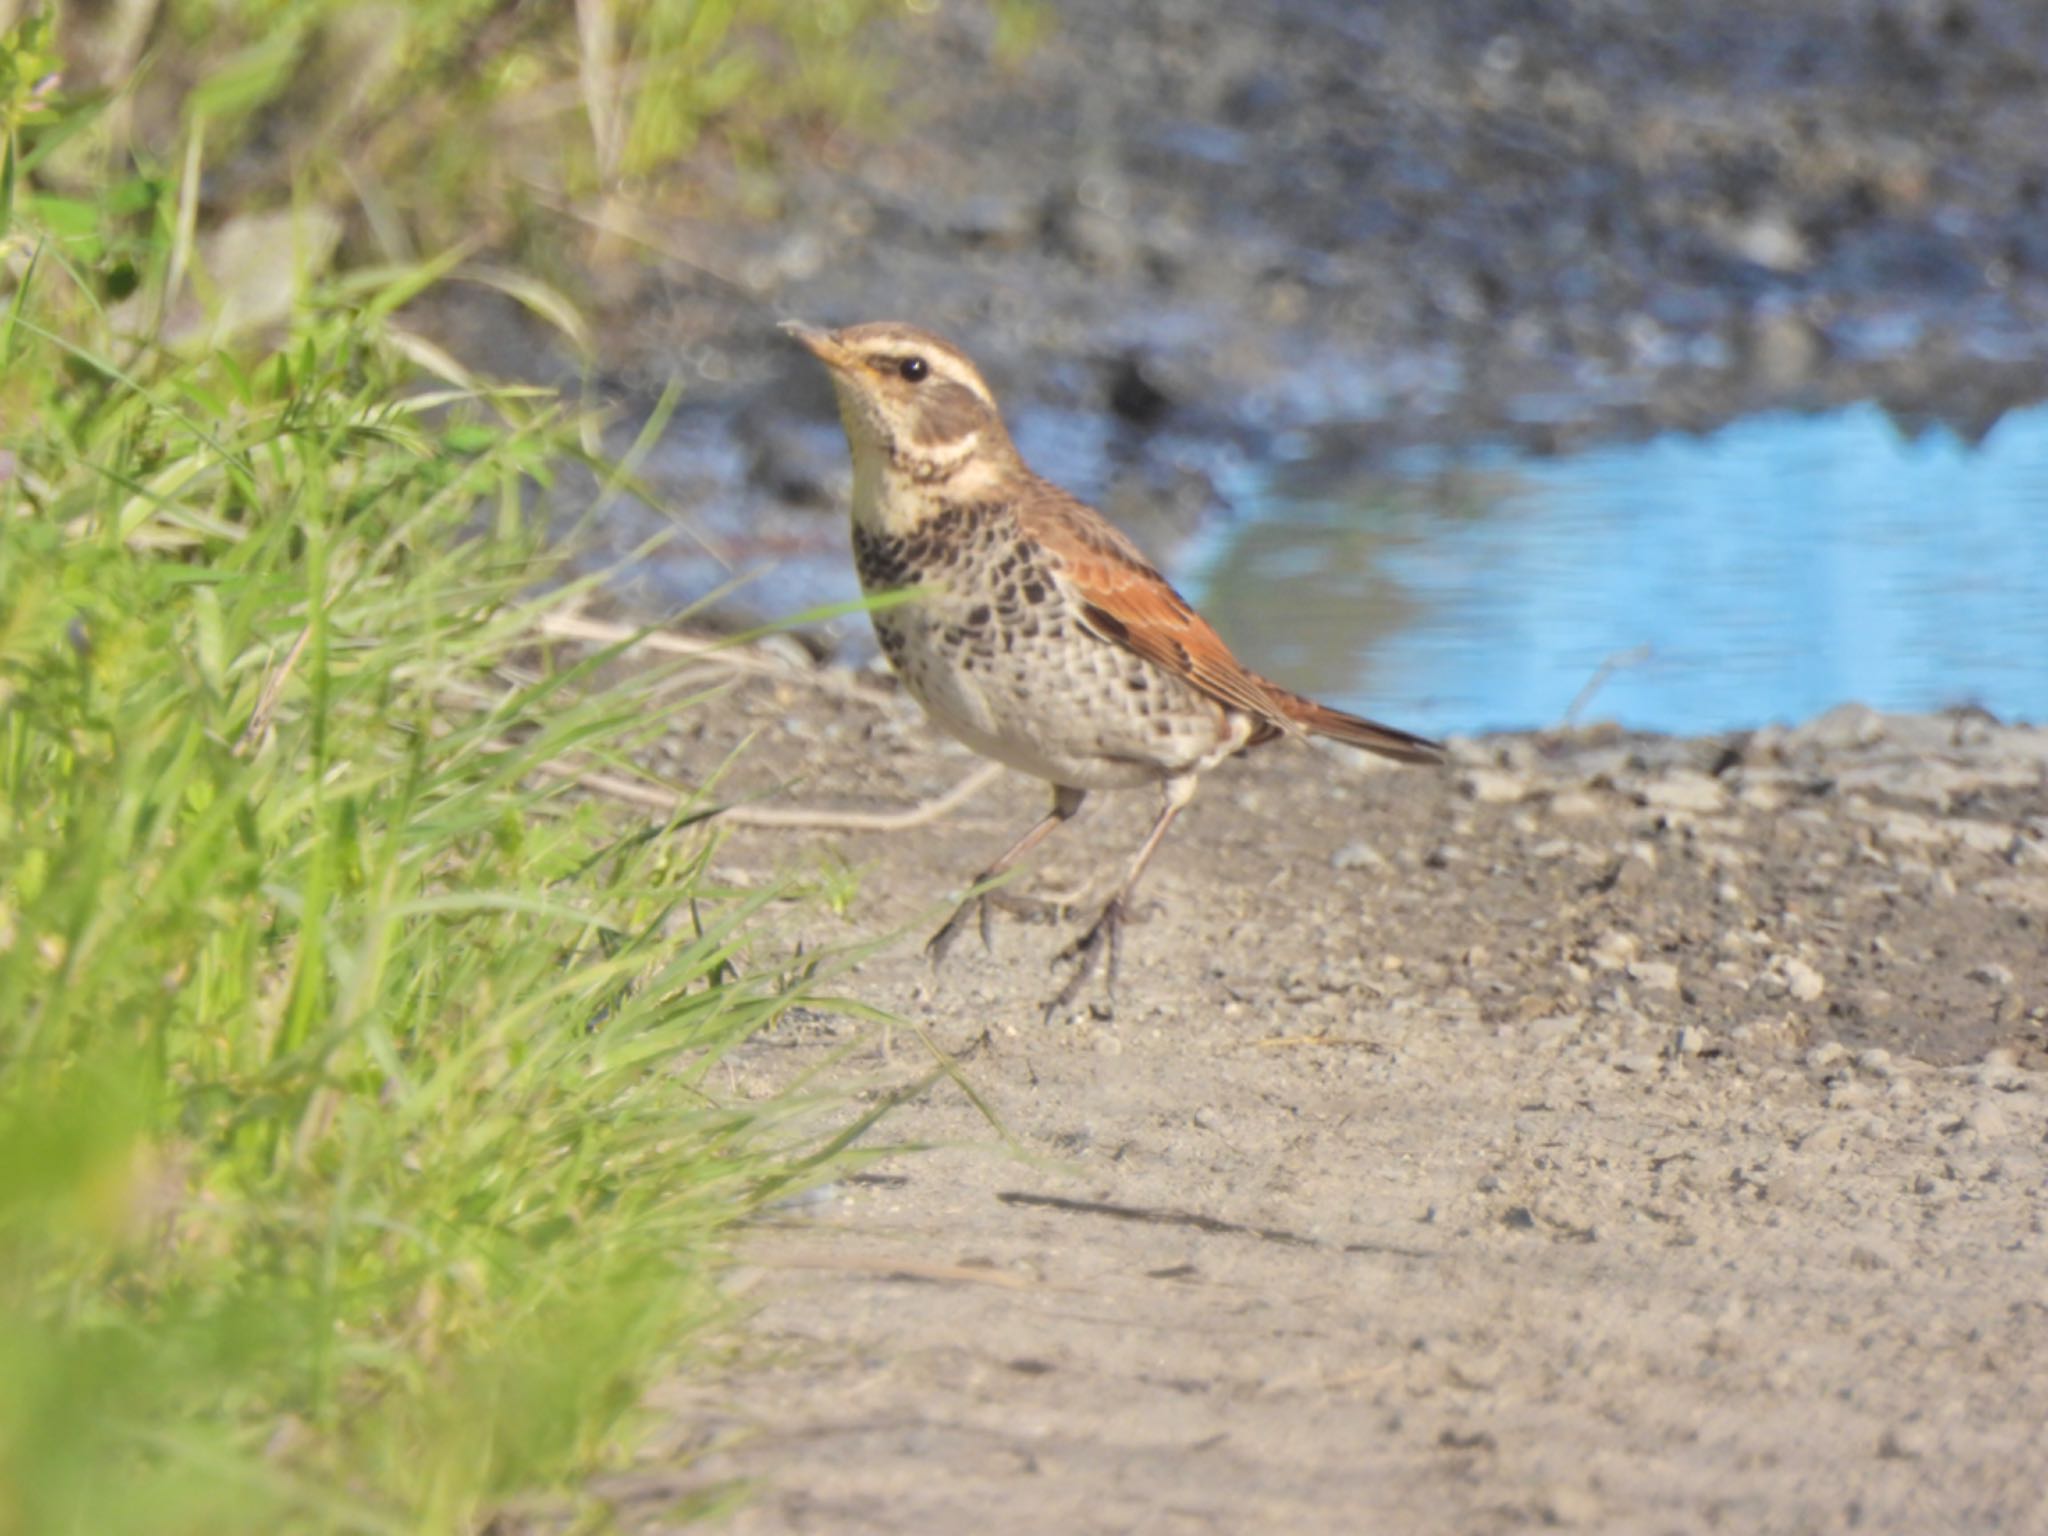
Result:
<point x="1126" y="602"/>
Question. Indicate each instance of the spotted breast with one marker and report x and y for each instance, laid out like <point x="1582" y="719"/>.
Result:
<point x="992" y="633"/>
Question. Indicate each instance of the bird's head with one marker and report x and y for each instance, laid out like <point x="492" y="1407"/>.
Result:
<point x="912" y="403"/>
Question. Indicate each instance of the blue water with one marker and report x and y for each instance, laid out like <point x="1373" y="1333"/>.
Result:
<point x="1767" y="571"/>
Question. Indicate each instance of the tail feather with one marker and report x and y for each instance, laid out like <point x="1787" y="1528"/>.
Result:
<point x="1356" y="731"/>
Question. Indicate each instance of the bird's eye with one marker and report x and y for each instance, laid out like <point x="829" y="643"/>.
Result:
<point x="913" y="369"/>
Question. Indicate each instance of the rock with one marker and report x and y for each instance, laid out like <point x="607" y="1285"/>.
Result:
<point x="1987" y="1122"/>
<point x="1613" y="950"/>
<point x="1992" y="837"/>
<point x="1783" y="348"/>
<point x="1358" y="855"/>
<point x="1801" y="981"/>
<point x="1993" y="975"/>
<point x="1654" y="975"/>
<point x="1555" y="1028"/>
<point x="1845" y="1093"/>
<point x="1686" y="790"/>
<point x="1756" y="796"/>
<point x="1574" y="803"/>
<point x="1998" y="1070"/>
<point x="1774" y="1035"/>
<point x="1693" y="1040"/>
<point x="1843" y="728"/>
<point x="1495" y="786"/>
<point x="1929" y="780"/>
<point x="2024" y="891"/>
<point x="1909" y="830"/>
<point x="1770" y="238"/>
<point x="1633" y="871"/>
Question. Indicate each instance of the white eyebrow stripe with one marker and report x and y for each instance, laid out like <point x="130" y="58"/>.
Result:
<point x="886" y="353"/>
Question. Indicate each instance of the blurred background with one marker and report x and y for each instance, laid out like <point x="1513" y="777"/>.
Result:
<point x="1481" y="363"/>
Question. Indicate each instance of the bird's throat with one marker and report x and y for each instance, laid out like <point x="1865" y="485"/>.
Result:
<point x="897" y="491"/>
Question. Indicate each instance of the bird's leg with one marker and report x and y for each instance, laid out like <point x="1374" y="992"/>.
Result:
<point x="1105" y="939"/>
<point x="1065" y="803"/>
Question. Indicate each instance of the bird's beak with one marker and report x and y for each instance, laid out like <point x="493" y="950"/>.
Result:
<point x="822" y="345"/>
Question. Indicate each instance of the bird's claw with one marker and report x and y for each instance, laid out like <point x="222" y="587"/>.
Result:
<point x="936" y="946"/>
<point x="1100" y="948"/>
<point x="985" y="907"/>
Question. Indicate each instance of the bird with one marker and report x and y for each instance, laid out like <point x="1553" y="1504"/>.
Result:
<point x="1032" y="629"/>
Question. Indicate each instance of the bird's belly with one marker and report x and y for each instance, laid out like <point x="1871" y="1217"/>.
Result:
<point x="1053" y="701"/>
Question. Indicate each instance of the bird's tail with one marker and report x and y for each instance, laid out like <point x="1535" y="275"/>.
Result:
<point x="1356" y="731"/>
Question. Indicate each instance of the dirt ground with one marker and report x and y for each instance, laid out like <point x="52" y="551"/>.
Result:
<point x="1605" y="1132"/>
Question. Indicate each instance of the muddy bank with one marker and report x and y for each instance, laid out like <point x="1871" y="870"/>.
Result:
<point x="1314" y="210"/>
<point x="1611" y="1133"/>
<point x="1179" y="233"/>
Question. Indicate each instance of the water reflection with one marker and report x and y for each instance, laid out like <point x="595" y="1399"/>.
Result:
<point x="1765" y="572"/>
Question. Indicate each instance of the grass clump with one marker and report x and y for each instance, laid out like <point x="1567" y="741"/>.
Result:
<point x="357" y="1163"/>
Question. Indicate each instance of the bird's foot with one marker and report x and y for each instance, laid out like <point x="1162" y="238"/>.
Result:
<point x="976" y="906"/>
<point x="981" y="908"/>
<point x="1098" y="949"/>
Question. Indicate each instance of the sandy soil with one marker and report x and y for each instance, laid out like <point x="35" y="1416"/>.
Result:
<point x="1613" y="1133"/>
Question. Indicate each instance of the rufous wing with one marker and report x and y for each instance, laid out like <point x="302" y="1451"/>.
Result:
<point x="1125" y="601"/>
<point x="1128" y="603"/>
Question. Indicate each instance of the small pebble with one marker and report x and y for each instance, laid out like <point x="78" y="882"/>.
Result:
<point x="1495" y="786"/>
<point x="1686" y="790"/>
<point x="1802" y="980"/>
<point x="1827" y="1054"/>
<point x="1358" y="856"/>
<point x="1613" y="950"/>
<point x="1654" y="975"/>
<point x="1574" y="803"/>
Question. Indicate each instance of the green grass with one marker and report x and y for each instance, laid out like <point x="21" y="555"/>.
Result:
<point x="425" y="122"/>
<point x="361" y="1153"/>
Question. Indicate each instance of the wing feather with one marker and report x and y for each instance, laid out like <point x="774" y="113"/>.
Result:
<point x="1125" y="601"/>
